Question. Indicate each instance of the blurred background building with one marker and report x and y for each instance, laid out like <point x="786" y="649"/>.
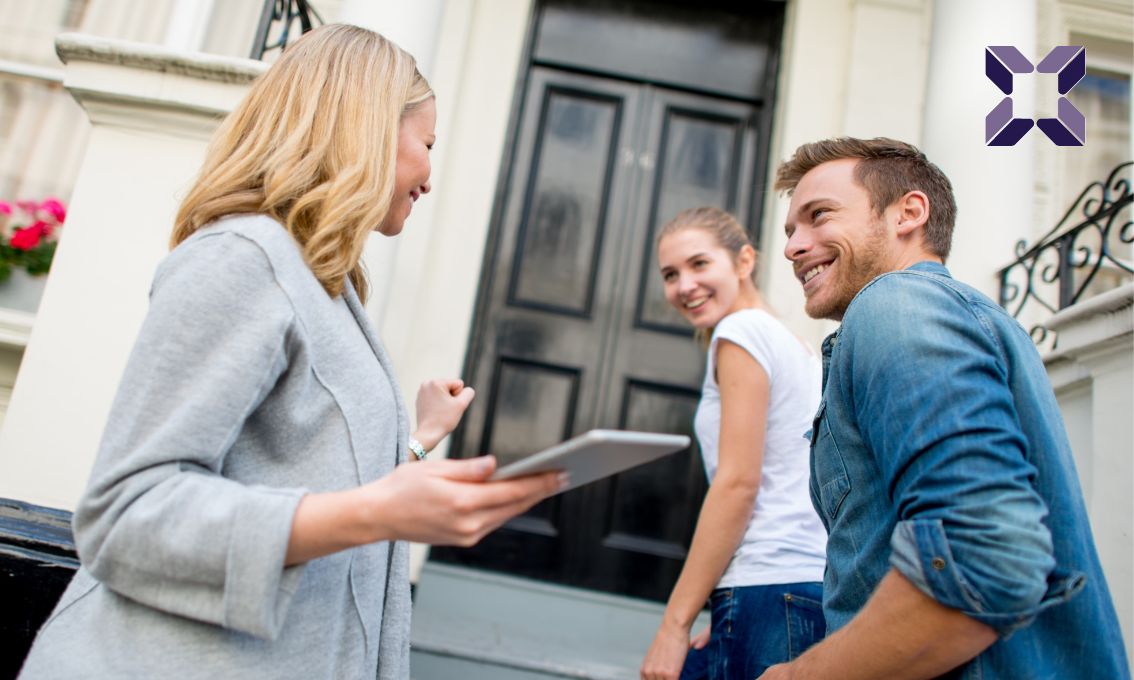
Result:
<point x="568" y="131"/>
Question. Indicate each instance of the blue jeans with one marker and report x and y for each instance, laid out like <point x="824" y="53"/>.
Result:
<point x="754" y="627"/>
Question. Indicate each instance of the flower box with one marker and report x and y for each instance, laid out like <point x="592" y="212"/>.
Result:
<point x="29" y="232"/>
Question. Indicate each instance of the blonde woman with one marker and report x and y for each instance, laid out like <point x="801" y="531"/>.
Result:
<point x="248" y="507"/>
<point x="758" y="549"/>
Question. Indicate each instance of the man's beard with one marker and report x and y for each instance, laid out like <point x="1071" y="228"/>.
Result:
<point x="854" y="272"/>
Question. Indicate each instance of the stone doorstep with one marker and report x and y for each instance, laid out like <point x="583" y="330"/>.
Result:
<point x="543" y="650"/>
<point x="493" y="619"/>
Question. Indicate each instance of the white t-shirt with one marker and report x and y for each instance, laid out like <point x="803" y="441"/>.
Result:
<point x="785" y="541"/>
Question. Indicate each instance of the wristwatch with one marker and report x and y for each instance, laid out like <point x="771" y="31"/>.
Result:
<point x="418" y="450"/>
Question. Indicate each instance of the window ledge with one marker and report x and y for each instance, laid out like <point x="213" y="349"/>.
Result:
<point x="15" y="327"/>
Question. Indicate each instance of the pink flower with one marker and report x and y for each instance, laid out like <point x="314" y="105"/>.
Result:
<point x="5" y="207"/>
<point x="45" y="228"/>
<point x="29" y="238"/>
<point x="54" y="208"/>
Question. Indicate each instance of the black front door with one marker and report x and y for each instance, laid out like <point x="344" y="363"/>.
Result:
<point x="572" y="331"/>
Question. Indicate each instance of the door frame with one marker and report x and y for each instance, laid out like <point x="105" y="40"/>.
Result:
<point x="752" y="204"/>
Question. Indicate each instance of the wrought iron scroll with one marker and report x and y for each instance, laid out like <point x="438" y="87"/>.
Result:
<point x="1095" y="235"/>
<point x="277" y="21"/>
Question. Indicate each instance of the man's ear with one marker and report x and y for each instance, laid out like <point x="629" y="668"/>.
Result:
<point x="913" y="212"/>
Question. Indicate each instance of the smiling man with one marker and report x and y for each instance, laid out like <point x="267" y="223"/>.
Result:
<point x="958" y="537"/>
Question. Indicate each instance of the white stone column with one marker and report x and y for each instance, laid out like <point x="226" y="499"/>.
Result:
<point x="878" y="65"/>
<point x="124" y="19"/>
<point x="152" y="111"/>
<point x="412" y="25"/>
<point x="429" y="284"/>
<point x="816" y="57"/>
<point x="188" y="23"/>
<point x="1092" y="373"/>
<point x="28" y="28"/>
<point x="994" y="185"/>
<point x="415" y="27"/>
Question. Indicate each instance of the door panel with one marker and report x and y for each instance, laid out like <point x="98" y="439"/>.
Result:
<point x="531" y="407"/>
<point x="562" y="230"/>
<point x="704" y="150"/>
<point x="549" y="304"/>
<point x="649" y="511"/>
<point x="725" y="48"/>
<point x="701" y="154"/>
<point x="551" y="275"/>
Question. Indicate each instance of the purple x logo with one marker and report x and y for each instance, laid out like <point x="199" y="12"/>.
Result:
<point x="1068" y="128"/>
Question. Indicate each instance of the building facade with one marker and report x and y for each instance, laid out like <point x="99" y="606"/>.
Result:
<point x="568" y="131"/>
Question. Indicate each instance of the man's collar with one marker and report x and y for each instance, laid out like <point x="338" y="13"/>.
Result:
<point x="929" y="266"/>
<point x="829" y="342"/>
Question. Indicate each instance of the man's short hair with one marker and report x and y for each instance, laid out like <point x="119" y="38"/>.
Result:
<point x="887" y="169"/>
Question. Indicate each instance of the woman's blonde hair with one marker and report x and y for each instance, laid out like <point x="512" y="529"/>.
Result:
<point x="314" y="146"/>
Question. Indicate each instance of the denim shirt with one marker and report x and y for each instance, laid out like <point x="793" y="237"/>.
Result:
<point x="939" y="451"/>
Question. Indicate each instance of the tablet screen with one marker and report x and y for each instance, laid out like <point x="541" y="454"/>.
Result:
<point x="596" y="454"/>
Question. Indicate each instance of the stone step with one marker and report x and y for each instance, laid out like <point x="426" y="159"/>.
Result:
<point x="473" y="624"/>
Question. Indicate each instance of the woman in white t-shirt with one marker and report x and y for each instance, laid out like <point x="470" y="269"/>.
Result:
<point x="758" y="550"/>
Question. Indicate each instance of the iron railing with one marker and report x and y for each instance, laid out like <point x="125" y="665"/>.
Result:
<point x="1058" y="271"/>
<point x="276" y="22"/>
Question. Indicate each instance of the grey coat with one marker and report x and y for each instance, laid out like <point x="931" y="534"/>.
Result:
<point x="248" y="387"/>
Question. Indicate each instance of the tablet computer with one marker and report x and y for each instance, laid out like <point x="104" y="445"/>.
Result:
<point x="596" y="454"/>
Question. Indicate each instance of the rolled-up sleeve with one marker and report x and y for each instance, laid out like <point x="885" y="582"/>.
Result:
<point x="159" y="523"/>
<point x="933" y="401"/>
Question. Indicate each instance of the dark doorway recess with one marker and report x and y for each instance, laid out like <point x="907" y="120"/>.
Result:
<point x="629" y="112"/>
<point x="37" y="561"/>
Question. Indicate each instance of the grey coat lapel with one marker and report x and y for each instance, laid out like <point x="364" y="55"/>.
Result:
<point x="363" y="319"/>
